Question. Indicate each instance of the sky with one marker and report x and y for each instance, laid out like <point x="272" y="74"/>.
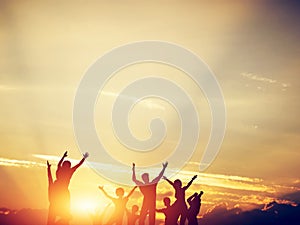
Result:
<point x="251" y="46"/>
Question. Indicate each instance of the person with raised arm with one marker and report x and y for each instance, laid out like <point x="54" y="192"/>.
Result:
<point x="120" y="204"/>
<point x="148" y="189"/>
<point x="180" y="203"/>
<point x="59" y="194"/>
<point x="64" y="171"/>
<point x="169" y="211"/>
<point x="195" y="204"/>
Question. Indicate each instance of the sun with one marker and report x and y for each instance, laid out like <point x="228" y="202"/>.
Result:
<point x="85" y="206"/>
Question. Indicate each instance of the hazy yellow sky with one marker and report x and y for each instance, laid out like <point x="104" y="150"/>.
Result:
<point x="252" y="47"/>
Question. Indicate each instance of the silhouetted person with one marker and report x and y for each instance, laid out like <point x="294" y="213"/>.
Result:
<point x="180" y="203"/>
<point x="169" y="211"/>
<point x="120" y="205"/>
<point x="195" y="204"/>
<point x="132" y="216"/>
<point x="59" y="194"/>
<point x="148" y="190"/>
<point x="51" y="214"/>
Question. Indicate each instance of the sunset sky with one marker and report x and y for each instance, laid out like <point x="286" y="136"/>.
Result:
<point x="251" y="46"/>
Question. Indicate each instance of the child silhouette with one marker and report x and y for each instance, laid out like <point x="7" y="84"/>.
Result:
<point x="169" y="211"/>
<point x="195" y="204"/>
<point x="120" y="204"/>
<point x="132" y="216"/>
<point x="180" y="203"/>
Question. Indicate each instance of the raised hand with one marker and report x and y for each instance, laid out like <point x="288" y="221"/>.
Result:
<point x="194" y="177"/>
<point x="65" y="154"/>
<point x="101" y="188"/>
<point x="165" y="165"/>
<point x="85" y="155"/>
<point x="133" y="165"/>
<point x="48" y="164"/>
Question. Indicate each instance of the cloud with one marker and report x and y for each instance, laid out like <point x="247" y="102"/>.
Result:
<point x="249" y="191"/>
<point x="272" y="213"/>
<point x="259" y="78"/>
<point x="207" y="179"/>
<point x="19" y="163"/>
<point x="228" y="181"/>
<point x="293" y="196"/>
<point x="263" y="79"/>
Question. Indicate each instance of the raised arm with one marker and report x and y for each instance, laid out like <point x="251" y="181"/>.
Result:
<point x="105" y="193"/>
<point x="62" y="159"/>
<point x="155" y="180"/>
<point x="170" y="182"/>
<point x="201" y="193"/>
<point x="50" y="179"/>
<point x="136" y="181"/>
<point x="189" y="183"/>
<point x="131" y="192"/>
<point x="85" y="155"/>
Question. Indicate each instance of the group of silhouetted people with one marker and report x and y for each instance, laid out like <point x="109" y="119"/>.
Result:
<point x="59" y="198"/>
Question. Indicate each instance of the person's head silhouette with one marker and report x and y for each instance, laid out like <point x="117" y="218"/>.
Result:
<point x="177" y="183"/>
<point x="66" y="164"/>
<point x="167" y="201"/>
<point x="134" y="209"/>
<point x="120" y="192"/>
<point x="145" y="177"/>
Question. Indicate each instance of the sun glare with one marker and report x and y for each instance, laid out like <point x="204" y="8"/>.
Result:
<point x="86" y="206"/>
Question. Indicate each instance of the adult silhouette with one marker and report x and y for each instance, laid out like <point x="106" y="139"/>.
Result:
<point x="169" y="211"/>
<point x="120" y="205"/>
<point x="195" y="204"/>
<point x="148" y="189"/>
<point x="180" y="203"/>
<point x="58" y="191"/>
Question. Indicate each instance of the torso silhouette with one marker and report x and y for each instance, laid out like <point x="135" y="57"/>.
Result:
<point x="180" y="194"/>
<point x="64" y="175"/>
<point x="170" y="214"/>
<point x="149" y="192"/>
<point x="132" y="218"/>
<point x="120" y="205"/>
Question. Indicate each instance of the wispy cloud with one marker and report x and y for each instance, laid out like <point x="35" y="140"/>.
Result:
<point x="239" y="183"/>
<point x="19" y="163"/>
<point x="264" y="79"/>
<point x="228" y="181"/>
<point x="207" y="179"/>
<point x="219" y="187"/>
<point x="259" y="78"/>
